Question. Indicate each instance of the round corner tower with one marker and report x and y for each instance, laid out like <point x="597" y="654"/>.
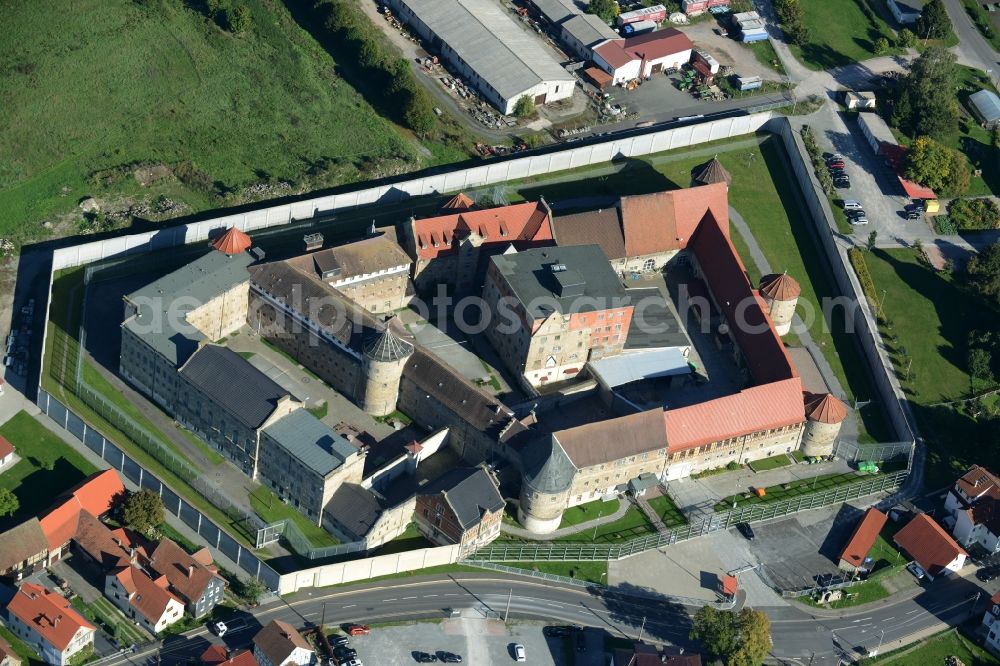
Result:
<point x="545" y="486"/>
<point x="381" y="369"/>
<point x="824" y="416"/>
<point x="781" y="294"/>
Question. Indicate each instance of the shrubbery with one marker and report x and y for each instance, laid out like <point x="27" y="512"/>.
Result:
<point x="857" y="257"/>
<point x="974" y="214"/>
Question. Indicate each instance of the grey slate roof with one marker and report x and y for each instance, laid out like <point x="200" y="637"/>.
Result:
<point x="485" y="36"/>
<point x="354" y="509"/>
<point x="987" y="105"/>
<point x="311" y="441"/>
<point x="387" y="346"/>
<point x="653" y="323"/>
<point x="589" y="29"/>
<point x="531" y="278"/>
<point x="241" y="389"/>
<point x="547" y="468"/>
<point x="160" y="302"/>
<point x="469" y="492"/>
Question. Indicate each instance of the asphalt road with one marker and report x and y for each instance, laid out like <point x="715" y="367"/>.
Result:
<point x="975" y="48"/>
<point x="798" y="636"/>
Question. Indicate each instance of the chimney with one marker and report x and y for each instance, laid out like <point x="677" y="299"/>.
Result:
<point x="190" y="570"/>
<point x="132" y="554"/>
<point x="55" y="622"/>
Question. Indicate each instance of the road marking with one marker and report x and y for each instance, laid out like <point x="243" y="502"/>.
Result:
<point x="387" y="600"/>
<point x="409" y="597"/>
<point x="428" y="596"/>
<point x="349" y="606"/>
<point x="918" y="610"/>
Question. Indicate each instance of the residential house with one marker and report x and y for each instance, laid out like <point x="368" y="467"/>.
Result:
<point x="279" y="643"/>
<point x="48" y="624"/>
<point x="218" y="655"/>
<point x="192" y="578"/>
<point x="7" y="655"/>
<point x="6" y="453"/>
<point x="642" y="654"/>
<point x="854" y="556"/>
<point x="930" y="546"/>
<point x="464" y="506"/>
<point x="991" y="620"/>
<point x="95" y="495"/>
<point x="973" y="509"/>
<point x="23" y="549"/>
<point x="146" y="601"/>
<point x="906" y="12"/>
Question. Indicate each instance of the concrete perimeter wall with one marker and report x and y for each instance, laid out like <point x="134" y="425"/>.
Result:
<point x="488" y="173"/>
<point x="371" y="567"/>
<point x="890" y="393"/>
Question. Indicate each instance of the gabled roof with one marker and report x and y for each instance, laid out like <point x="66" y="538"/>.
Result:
<point x="233" y="241"/>
<point x="6" y="448"/>
<point x="150" y="598"/>
<point x="354" y="509"/>
<point x="278" y="640"/>
<point x="94" y="538"/>
<point x="649" y="46"/>
<point x="593" y="227"/>
<point x="21" y="543"/>
<point x="863" y="537"/>
<point x="48" y="614"/>
<point x="518" y="224"/>
<point x="662" y="221"/>
<point x="363" y="257"/>
<point x="94" y="495"/>
<point x="613" y="439"/>
<point x="978" y="481"/>
<point x="310" y="441"/>
<point x="928" y="544"/>
<point x="188" y="578"/>
<point x="217" y="655"/>
<point x="470" y="493"/>
<point x="824" y="408"/>
<point x="460" y="201"/>
<point x="780" y="287"/>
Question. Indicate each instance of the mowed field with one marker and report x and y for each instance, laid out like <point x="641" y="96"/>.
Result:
<point x="94" y="85"/>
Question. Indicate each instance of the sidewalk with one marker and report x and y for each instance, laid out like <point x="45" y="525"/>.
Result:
<point x="566" y="531"/>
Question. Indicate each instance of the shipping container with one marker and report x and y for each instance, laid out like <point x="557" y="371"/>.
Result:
<point x="656" y="13"/>
<point x="758" y="35"/>
<point x="707" y="59"/>
<point x="638" y="28"/>
<point x="749" y="82"/>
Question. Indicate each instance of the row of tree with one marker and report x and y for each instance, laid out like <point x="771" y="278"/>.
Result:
<point x="737" y="638"/>
<point x="388" y="78"/>
<point x="793" y="20"/>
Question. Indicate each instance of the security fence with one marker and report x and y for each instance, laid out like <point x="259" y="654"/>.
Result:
<point x="570" y="552"/>
<point x="855" y="451"/>
<point x="172" y="502"/>
<point x="300" y="544"/>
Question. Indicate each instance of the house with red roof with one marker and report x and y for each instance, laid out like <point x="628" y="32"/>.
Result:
<point x="94" y="495"/>
<point x="217" y="655"/>
<point x="450" y="248"/>
<point x="145" y="600"/>
<point x="991" y="625"/>
<point x="930" y="546"/>
<point x="854" y="556"/>
<point x="642" y="56"/>
<point x="973" y="507"/>
<point x="7" y="456"/>
<point x="46" y="622"/>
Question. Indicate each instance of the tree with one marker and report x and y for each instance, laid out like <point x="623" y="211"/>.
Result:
<point x="524" y="107"/>
<point x="872" y="238"/>
<point x="983" y="272"/>
<point x="792" y="19"/>
<point x="936" y="166"/>
<point x="980" y="367"/>
<point x="881" y="46"/>
<point x="738" y="639"/>
<point x="251" y="590"/>
<point x="240" y="19"/>
<point x="9" y="503"/>
<point x="143" y="511"/>
<point x="919" y="105"/>
<point x="606" y="9"/>
<point x="934" y="22"/>
<point x="907" y="39"/>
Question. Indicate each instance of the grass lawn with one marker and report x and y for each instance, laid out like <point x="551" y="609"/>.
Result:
<point x="930" y="316"/>
<point x="166" y="530"/>
<point x="789" y="490"/>
<point x="984" y="24"/>
<point x="667" y="511"/>
<point x="857" y="28"/>
<point x="766" y="55"/>
<point x="935" y="650"/>
<point x="593" y="572"/>
<point x="213" y="456"/>
<point x="769" y="200"/>
<point x="581" y="513"/>
<point x="320" y="411"/>
<point x="774" y="462"/>
<point x="271" y="509"/>
<point x="174" y="88"/>
<point x="102" y="612"/>
<point x="27" y="655"/>
<point x="35" y="486"/>
<point x="634" y="523"/>
<point x="410" y="539"/>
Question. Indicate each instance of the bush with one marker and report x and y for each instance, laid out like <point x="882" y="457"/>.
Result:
<point x="974" y="214"/>
<point x="944" y="225"/>
<point x="881" y="46"/>
<point x="524" y="107"/>
<point x="857" y="258"/>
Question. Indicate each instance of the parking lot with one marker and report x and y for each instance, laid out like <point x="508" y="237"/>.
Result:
<point x="478" y="641"/>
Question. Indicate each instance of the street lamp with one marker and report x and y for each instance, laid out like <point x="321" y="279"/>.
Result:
<point x="879" y="646"/>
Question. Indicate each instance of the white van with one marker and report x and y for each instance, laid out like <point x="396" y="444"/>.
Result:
<point x="851" y="204"/>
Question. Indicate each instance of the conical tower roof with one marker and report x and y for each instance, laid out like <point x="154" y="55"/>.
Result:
<point x="712" y="172"/>
<point x="824" y="408"/>
<point x="780" y="287"/>
<point x="459" y="202"/>
<point x="387" y="346"/>
<point x="232" y="242"/>
<point x="547" y="467"/>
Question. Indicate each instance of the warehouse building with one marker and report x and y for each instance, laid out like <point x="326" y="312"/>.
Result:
<point x="484" y="45"/>
<point x="643" y="56"/>
<point x="580" y="32"/>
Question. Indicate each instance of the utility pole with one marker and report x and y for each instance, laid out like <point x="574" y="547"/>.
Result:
<point x="510" y="593"/>
<point x="879" y="646"/>
<point x="322" y="619"/>
<point x="642" y="628"/>
<point x="597" y="523"/>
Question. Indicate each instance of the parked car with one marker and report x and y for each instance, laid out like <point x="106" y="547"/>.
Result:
<point x="219" y="628"/>
<point x="858" y="221"/>
<point x="425" y="658"/>
<point x="835" y="164"/>
<point x="746" y="531"/>
<point x="918" y="204"/>
<point x="851" y="204"/>
<point x="557" y="631"/>
<point x="358" y="630"/>
<point x="519" y="652"/>
<point x="842" y="184"/>
<point x="915" y="569"/>
<point x="851" y="214"/>
<point x="344" y="653"/>
<point x="987" y="574"/>
<point x="338" y="641"/>
<point x="913" y="214"/>
<point x="449" y="657"/>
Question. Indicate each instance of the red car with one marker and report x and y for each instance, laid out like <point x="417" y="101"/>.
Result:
<point x="358" y="630"/>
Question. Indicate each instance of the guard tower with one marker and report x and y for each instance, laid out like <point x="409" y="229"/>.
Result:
<point x="382" y="366"/>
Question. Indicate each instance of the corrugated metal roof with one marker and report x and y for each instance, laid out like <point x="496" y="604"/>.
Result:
<point x="589" y="29"/>
<point x="484" y="35"/>
<point x="310" y="441"/>
<point x="634" y="366"/>
<point x="987" y="104"/>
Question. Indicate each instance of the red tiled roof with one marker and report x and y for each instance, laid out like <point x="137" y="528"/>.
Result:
<point x="780" y="287"/>
<point x="524" y="222"/>
<point x="751" y="410"/>
<point x="6" y="448"/>
<point x="460" y="201"/>
<point x="729" y="585"/>
<point x="151" y="597"/>
<point x="216" y="655"/>
<point x="232" y="242"/>
<point x="94" y="495"/>
<point x="749" y="324"/>
<point x="928" y="544"/>
<point x="94" y="538"/>
<point x="863" y="537"/>
<point x="650" y="46"/>
<point x="48" y="614"/>
<point x="896" y="155"/>
<point x="187" y="576"/>
<point x="665" y="221"/>
<point x="613" y="52"/>
<point x="976" y="481"/>
<point x="824" y="408"/>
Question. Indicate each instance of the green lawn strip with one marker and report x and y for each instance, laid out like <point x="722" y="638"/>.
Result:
<point x="936" y="650"/>
<point x="862" y="593"/>
<point x="213" y="456"/>
<point x="271" y="509"/>
<point x="929" y="316"/>
<point x="582" y="513"/>
<point x="796" y="488"/>
<point x="667" y="511"/>
<point x="774" y="462"/>
<point x="35" y="486"/>
<point x="169" y="532"/>
<point x="766" y="55"/>
<point x="410" y="539"/>
<point x="857" y="28"/>
<point x="984" y="24"/>
<point x="591" y="572"/>
<point x="101" y="612"/>
<point x="27" y="655"/>
<point x="319" y="411"/>
<point x="265" y="105"/>
<point x="634" y="523"/>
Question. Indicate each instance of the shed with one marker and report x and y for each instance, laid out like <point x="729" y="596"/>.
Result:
<point x="985" y="106"/>
<point x="598" y="77"/>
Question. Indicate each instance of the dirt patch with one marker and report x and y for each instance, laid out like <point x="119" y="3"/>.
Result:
<point x="149" y="174"/>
